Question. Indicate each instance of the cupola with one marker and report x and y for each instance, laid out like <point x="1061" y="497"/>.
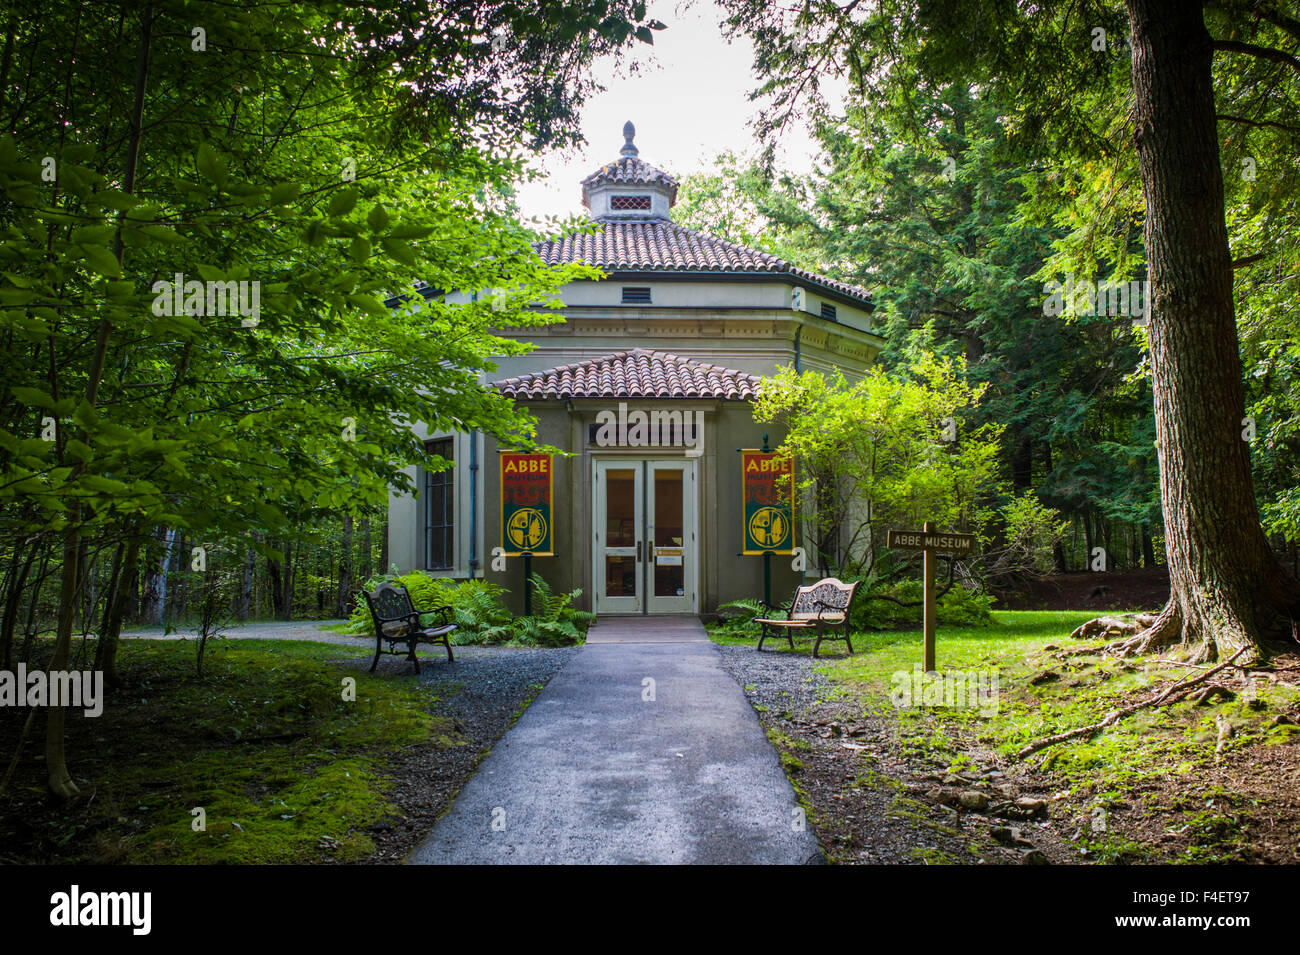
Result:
<point x="629" y="188"/>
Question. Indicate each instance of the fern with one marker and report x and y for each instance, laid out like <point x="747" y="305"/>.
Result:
<point x="738" y="617"/>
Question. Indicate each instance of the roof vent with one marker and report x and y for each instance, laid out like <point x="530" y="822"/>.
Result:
<point x="633" y="295"/>
<point x="828" y="312"/>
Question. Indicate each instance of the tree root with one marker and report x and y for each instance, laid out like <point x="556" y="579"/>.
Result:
<point x="1109" y="627"/>
<point x="1171" y="695"/>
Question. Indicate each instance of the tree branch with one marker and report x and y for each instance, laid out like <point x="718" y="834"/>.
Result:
<point x="1257" y="122"/>
<point x="1261" y="52"/>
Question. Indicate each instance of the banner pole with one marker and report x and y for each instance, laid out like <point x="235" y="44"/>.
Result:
<point x="767" y="555"/>
<point x="528" y="585"/>
<point x="928" y="559"/>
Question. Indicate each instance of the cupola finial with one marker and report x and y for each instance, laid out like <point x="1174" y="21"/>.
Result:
<point x="629" y="133"/>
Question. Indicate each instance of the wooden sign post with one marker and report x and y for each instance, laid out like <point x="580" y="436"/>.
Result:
<point x="930" y="542"/>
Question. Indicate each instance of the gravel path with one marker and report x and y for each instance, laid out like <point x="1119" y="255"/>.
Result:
<point x="779" y="682"/>
<point x="265" y="630"/>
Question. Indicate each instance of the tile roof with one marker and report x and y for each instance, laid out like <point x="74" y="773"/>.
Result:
<point x="638" y="373"/>
<point x="630" y="170"/>
<point x="662" y="246"/>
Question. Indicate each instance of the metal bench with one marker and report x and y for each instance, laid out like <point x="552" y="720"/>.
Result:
<point x="815" y="607"/>
<point x="397" y="621"/>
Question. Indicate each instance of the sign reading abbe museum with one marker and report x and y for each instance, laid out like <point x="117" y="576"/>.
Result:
<point x="527" y="482"/>
<point x="923" y="540"/>
<point x="767" y="490"/>
<point x="930" y="541"/>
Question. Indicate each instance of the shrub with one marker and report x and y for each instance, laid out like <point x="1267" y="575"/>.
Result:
<point x="480" y="614"/>
<point x="554" y="623"/>
<point x="737" y="617"/>
<point x="958" y="606"/>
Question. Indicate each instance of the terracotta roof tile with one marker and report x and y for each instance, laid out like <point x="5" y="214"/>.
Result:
<point x="638" y="373"/>
<point x="659" y="245"/>
<point x="630" y="170"/>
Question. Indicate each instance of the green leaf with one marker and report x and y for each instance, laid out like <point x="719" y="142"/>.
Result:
<point x="104" y="485"/>
<point x="369" y="304"/>
<point x="102" y="261"/>
<point x="399" y="250"/>
<point x="377" y="218"/>
<point x="33" y="397"/>
<point x="210" y="165"/>
<point x="343" y="201"/>
<point x="284" y="193"/>
<point x="410" y="232"/>
<point x="79" y="450"/>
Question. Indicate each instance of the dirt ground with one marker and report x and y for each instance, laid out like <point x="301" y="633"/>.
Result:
<point x="871" y="801"/>
<point x="1112" y="590"/>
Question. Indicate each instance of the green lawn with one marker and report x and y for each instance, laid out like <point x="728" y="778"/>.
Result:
<point x="285" y="769"/>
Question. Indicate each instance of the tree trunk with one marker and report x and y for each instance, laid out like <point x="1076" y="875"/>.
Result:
<point x="56" y="765"/>
<point x="1226" y="585"/>
<point x="1022" y="465"/>
<point x="290" y="559"/>
<point x="155" y="589"/>
<point x="365" y="549"/>
<point x="13" y="600"/>
<point x="245" y="600"/>
<point x="114" y="612"/>
<point x="56" y="762"/>
<point x="345" y="568"/>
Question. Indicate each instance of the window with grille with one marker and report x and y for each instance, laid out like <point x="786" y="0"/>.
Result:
<point x="828" y="311"/>
<point x="636" y="296"/>
<point x="439" y="510"/>
<point x="621" y="203"/>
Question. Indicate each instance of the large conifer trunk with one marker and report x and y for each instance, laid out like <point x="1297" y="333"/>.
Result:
<point x="1227" y="587"/>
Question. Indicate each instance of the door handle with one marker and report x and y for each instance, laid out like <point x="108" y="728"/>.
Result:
<point x="649" y="551"/>
<point x="638" y="552"/>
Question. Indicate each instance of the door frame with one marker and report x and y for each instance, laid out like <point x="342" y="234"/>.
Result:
<point x="691" y="528"/>
<point x="599" y="602"/>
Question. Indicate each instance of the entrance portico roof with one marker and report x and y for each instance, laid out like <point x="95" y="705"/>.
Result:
<point x="636" y="373"/>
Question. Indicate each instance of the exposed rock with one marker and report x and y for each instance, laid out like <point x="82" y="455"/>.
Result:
<point x="975" y="801"/>
<point x="1032" y="805"/>
<point x="1004" y="834"/>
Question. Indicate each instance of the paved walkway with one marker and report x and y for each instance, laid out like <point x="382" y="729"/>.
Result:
<point x="595" y="772"/>
<point x="260" y="630"/>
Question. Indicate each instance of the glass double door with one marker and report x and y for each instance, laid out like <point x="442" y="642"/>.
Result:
<point x="644" y="535"/>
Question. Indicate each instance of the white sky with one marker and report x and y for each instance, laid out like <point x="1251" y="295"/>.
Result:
<point x="688" y="102"/>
